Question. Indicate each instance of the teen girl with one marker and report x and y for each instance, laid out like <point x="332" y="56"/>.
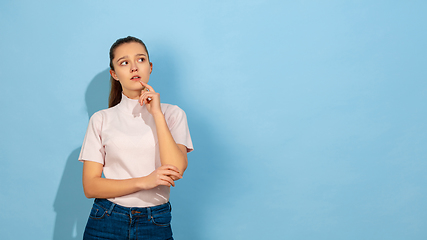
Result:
<point x="140" y="145"/>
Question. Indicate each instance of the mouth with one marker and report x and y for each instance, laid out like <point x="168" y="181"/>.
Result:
<point x="136" y="78"/>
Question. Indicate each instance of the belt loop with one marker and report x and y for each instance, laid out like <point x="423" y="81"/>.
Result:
<point x="111" y="208"/>
<point x="148" y="214"/>
<point x="170" y="206"/>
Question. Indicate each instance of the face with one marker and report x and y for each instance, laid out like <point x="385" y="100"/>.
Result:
<point x="131" y="65"/>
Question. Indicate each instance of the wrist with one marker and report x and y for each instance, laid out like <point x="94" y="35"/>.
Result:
<point x="141" y="183"/>
<point x="158" y="115"/>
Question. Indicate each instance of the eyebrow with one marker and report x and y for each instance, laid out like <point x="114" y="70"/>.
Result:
<point x="139" y="54"/>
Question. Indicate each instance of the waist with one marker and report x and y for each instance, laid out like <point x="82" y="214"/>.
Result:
<point x="145" y="198"/>
<point x="110" y="206"/>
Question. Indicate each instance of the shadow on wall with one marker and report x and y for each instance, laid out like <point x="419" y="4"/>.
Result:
<point x="71" y="206"/>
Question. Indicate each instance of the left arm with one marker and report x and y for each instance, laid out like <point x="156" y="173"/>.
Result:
<point x="170" y="152"/>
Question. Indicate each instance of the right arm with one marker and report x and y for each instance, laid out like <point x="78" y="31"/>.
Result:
<point x="95" y="186"/>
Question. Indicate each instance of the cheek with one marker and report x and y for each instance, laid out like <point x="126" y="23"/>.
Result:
<point x="145" y="71"/>
<point x="120" y="74"/>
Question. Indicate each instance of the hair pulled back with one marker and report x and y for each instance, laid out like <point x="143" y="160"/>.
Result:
<point x="116" y="89"/>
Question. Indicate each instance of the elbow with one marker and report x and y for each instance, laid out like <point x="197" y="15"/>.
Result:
<point x="183" y="167"/>
<point x="180" y="162"/>
<point x="181" y="171"/>
<point x="89" y="193"/>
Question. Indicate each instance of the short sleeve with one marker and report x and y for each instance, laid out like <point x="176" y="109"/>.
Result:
<point x="92" y="148"/>
<point x="177" y="123"/>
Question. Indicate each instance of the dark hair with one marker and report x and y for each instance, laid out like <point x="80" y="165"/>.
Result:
<point x="116" y="89"/>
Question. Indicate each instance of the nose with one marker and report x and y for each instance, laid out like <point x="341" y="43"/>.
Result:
<point x="133" y="67"/>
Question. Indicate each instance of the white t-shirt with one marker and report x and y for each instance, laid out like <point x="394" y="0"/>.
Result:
<point x="123" y="138"/>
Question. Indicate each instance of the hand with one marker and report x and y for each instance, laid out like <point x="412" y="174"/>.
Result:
<point x="150" y="98"/>
<point x="163" y="175"/>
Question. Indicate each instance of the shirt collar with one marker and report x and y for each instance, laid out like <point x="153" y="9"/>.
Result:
<point x="130" y="106"/>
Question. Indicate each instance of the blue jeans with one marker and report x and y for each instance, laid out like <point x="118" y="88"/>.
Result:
<point x="108" y="220"/>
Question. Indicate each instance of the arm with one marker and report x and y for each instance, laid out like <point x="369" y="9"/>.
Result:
<point x="170" y="152"/>
<point x="95" y="186"/>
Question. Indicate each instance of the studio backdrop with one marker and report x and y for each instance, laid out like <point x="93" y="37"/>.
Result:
<point x="308" y="118"/>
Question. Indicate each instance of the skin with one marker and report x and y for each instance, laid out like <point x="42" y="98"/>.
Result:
<point x="131" y="60"/>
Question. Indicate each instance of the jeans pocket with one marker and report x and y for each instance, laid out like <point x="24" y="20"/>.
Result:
<point x="162" y="219"/>
<point x="97" y="212"/>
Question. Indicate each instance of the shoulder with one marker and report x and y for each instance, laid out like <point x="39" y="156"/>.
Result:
<point x="101" y="114"/>
<point x="174" y="115"/>
<point x="171" y="110"/>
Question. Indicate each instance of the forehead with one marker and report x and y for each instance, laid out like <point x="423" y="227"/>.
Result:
<point x="129" y="49"/>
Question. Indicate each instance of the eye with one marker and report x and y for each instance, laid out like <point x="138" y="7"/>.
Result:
<point x="141" y="60"/>
<point x="124" y="63"/>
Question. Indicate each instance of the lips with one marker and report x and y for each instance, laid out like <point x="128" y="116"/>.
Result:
<point x="135" y="78"/>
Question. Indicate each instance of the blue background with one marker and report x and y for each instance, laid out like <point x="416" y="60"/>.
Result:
<point x="308" y="117"/>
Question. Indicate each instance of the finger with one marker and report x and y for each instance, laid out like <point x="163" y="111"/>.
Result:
<point x="144" y="93"/>
<point x="145" y="97"/>
<point x="148" y="96"/>
<point x="175" y="178"/>
<point x="147" y="86"/>
<point x="141" y="99"/>
<point x="168" y="180"/>
<point x="144" y="89"/>
<point x="164" y="183"/>
<point x="171" y="167"/>
<point x="171" y="173"/>
<point x="168" y="172"/>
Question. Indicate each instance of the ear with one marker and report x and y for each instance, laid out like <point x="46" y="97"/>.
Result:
<point x="151" y="67"/>
<point x="113" y="74"/>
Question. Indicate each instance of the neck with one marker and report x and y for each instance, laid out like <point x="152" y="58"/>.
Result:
<point x="132" y="94"/>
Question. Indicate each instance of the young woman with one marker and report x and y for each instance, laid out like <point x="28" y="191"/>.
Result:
<point x="141" y="147"/>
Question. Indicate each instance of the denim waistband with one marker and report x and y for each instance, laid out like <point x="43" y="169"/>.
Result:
<point x="110" y="207"/>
